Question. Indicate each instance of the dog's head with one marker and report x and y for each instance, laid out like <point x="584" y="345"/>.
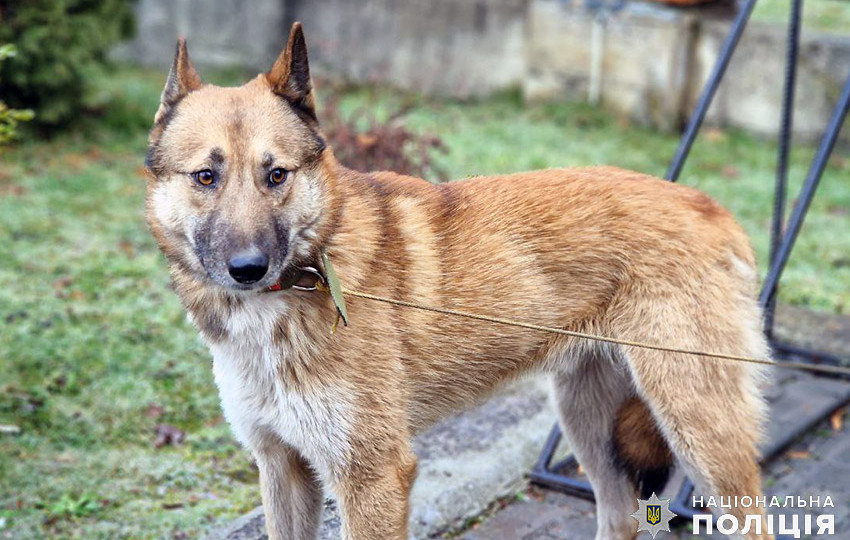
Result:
<point x="239" y="176"/>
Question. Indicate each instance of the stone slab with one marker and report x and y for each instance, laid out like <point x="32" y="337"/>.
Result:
<point x="817" y="465"/>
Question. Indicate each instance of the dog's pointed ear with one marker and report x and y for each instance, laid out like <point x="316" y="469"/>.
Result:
<point x="290" y="74"/>
<point x="182" y="79"/>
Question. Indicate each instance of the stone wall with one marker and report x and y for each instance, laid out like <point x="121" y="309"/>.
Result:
<point x="652" y="60"/>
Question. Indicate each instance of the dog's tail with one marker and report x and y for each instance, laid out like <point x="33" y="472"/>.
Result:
<point x="640" y="448"/>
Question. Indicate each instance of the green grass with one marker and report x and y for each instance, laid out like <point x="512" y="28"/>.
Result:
<point x="93" y="340"/>
<point x="830" y="16"/>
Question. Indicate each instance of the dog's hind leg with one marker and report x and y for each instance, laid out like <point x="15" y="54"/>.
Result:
<point x="709" y="411"/>
<point x="589" y="392"/>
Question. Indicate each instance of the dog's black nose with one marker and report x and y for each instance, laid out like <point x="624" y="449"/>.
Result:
<point x="248" y="267"/>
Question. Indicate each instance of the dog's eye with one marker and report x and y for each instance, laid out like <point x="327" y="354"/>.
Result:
<point x="204" y="177"/>
<point x="278" y="176"/>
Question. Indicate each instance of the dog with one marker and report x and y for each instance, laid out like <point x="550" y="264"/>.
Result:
<point x="250" y="209"/>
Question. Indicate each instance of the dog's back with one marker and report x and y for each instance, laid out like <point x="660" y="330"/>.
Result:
<point x="570" y="248"/>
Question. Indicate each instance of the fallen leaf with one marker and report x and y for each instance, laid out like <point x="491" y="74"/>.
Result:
<point x="799" y="454"/>
<point x="837" y="210"/>
<point x="730" y="171"/>
<point x="838" y="161"/>
<point x="214" y="421"/>
<point x="77" y="161"/>
<point x="836" y="420"/>
<point x="66" y="457"/>
<point x="94" y="153"/>
<point x="168" y="435"/>
<point x="127" y="248"/>
<point x="154" y="411"/>
<point x="713" y="134"/>
<point x="62" y="283"/>
<point x="366" y="141"/>
<point x="143" y="172"/>
<point x="13" y="190"/>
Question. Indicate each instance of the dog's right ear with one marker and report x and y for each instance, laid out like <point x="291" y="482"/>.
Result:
<point x="182" y="79"/>
<point x="289" y="77"/>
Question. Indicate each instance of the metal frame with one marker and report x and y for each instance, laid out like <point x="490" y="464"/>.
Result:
<point x="782" y="243"/>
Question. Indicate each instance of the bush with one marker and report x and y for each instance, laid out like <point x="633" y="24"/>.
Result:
<point x="363" y="143"/>
<point x="9" y="118"/>
<point x="61" y="45"/>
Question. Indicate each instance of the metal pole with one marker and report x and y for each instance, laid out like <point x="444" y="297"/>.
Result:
<point x="597" y="56"/>
<point x="708" y="92"/>
<point x="798" y="215"/>
<point x="785" y="134"/>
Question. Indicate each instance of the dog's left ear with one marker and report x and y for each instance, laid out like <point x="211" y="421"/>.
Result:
<point x="290" y="74"/>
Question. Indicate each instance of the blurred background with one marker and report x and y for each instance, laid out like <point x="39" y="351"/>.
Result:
<point x="109" y="419"/>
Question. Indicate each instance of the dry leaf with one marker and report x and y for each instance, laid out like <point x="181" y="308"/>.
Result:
<point x="836" y="420"/>
<point x="143" y="172"/>
<point x="366" y="140"/>
<point x="127" y="248"/>
<point x="799" y="454"/>
<point x="13" y="190"/>
<point x="214" y="421"/>
<point x="154" y="411"/>
<point x="62" y="283"/>
<point x="168" y="435"/>
<point x="713" y="134"/>
<point x="730" y="171"/>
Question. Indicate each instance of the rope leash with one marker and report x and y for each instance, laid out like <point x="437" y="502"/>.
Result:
<point x="817" y="368"/>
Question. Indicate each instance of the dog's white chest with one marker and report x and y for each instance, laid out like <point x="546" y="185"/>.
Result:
<point x="262" y="408"/>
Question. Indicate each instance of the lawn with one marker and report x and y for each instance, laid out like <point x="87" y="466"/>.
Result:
<point x="829" y="16"/>
<point x="96" y="351"/>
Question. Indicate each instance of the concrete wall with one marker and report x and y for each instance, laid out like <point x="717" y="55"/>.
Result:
<point x="751" y="94"/>
<point x="220" y="32"/>
<point x="654" y="59"/>
<point x="452" y="47"/>
<point x="644" y="51"/>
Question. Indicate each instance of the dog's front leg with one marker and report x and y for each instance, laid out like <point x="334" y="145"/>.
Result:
<point x="292" y="495"/>
<point x="374" y="497"/>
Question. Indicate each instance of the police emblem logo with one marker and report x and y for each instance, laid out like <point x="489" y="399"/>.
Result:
<point x="653" y="515"/>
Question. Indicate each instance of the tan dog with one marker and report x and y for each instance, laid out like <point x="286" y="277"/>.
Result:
<point x="247" y="195"/>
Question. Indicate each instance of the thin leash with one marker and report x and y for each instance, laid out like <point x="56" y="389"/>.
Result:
<point x="817" y="368"/>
